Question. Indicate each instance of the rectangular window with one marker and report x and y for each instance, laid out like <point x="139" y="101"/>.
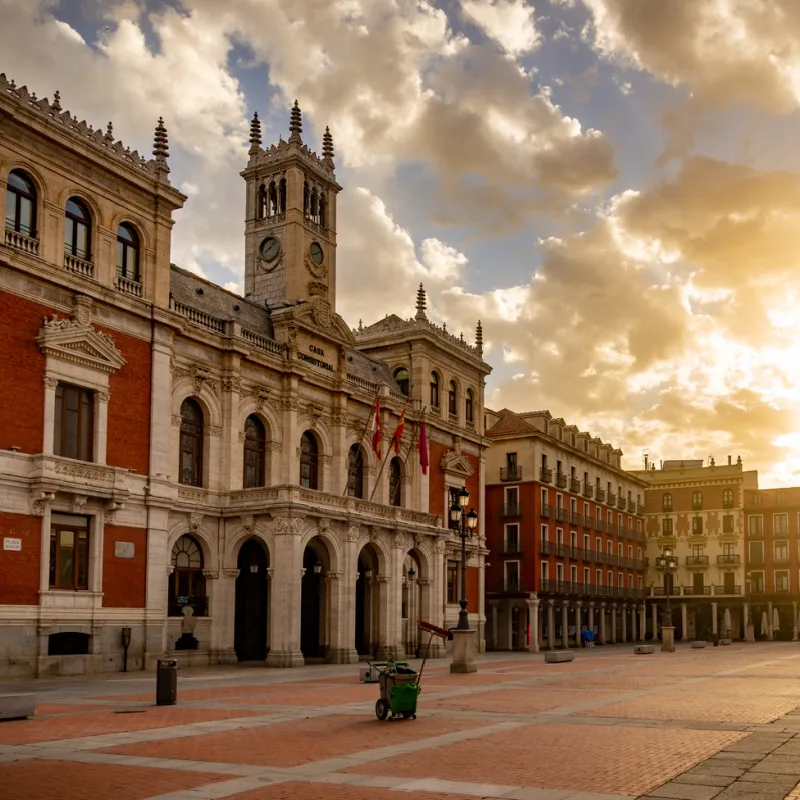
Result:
<point x="573" y="539"/>
<point x="630" y="581"/>
<point x="727" y="523"/>
<point x="699" y="583"/>
<point x="544" y="497"/>
<point x="610" y="577"/>
<point x="545" y="533"/>
<point x="756" y="499"/>
<point x="559" y="536"/>
<point x="69" y="552"/>
<point x="757" y="582"/>
<point x="782" y="580"/>
<point x="512" y="538"/>
<point x="620" y="579"/>
<point x="729" y="583"/>
<point x="560" y="573"/>
<point x="639" y="582"/>
<point x="573" y="574"/>
<point x="755" y="526"/>
<point x="452" y="582"/>
<point x="620" y="551"/>
<point x="587" y="541"/>
<point x="545" y="568"/>
<point x="586" y="576"/>
<point x="781" y="551"/>
<point x="610" y="547"/>
<point x="756" y="552"/>
<point x="697" y="550"/>
<point x="598" y="545"/>
<point x="512" y="576"/>
<point x="512" y="499"/>
<point x="630" y="551"/>
<point x="780" y="524"/>
<point x="598" y="576"/>
<point x="697" y="526"/>
<point x="511" y="462"/>
<point x="74" y="422"/>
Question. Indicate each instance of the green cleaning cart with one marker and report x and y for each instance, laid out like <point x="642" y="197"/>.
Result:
<point x="400" y="684"/>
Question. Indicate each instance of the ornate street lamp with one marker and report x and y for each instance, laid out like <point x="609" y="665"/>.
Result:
<point x="669" y="564"/>
<point x="466" y="521"/>
<point x="317" y="568"/>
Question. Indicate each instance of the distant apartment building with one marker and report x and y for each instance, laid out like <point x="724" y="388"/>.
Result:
<point x="565" y="531"/>
<point x="772" y="529"/>
<point x="698" y="512"/>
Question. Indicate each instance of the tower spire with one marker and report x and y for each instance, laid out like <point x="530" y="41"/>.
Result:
<point x="421" y="303"/>
<point x="161" y="147"/>
<point x="255" y="133"/>
<point x="296" y="124"/>
<point x="327" y="147"/>
<point x="479" y="339"/>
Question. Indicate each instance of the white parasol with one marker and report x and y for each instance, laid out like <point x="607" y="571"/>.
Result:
<point x="776" y="621"/>
<point x="764" y="623"/>
<point x="726" y="621"/>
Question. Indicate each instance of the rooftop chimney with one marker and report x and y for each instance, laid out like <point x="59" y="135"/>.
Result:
<point x="730" y="460"/>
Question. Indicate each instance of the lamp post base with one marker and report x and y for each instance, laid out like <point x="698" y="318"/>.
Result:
<point x="667" y="639"/>
<point x="465" y="646"/>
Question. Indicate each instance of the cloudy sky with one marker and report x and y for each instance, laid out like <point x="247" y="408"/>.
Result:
<point x="610" y="185"/>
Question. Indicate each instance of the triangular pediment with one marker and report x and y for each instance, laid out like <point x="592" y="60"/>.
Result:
<point x="457" y="464"/>
<point x="69" y="340"/>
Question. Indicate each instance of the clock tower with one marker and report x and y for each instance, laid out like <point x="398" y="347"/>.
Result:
<point x="290" y="224"/>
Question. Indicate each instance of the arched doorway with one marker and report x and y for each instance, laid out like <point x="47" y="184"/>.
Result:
<point x="411" y="603"/>
<point x="250" y="622"/>
<point x="367" y="596"/>
<point x="313" y="638"/>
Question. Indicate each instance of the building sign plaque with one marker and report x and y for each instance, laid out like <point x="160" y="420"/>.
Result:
<point x="317" y="356"/>
<point x="10" y="543"/>
<point x="123" y="549"/>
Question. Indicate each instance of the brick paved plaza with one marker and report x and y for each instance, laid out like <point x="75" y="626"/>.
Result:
<point x="694" y="725"/>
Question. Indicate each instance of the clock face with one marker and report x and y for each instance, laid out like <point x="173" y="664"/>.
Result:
<point x="315" y="251"/>
<point x="270" y="249"/>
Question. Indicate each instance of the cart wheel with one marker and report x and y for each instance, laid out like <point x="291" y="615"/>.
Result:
<point x="413" y="716"/>
<point x="381" y="709"/>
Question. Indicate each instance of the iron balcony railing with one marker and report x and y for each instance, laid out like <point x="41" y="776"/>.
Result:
<point x="575" y="519"/>
<point x="511" y="547"/>
<point x="545" y="510"/>
<point x="511" y="510"/>
<point x="513" y="586"/>
<point x="621" y="503"/>
<point x="601" y="495"/>
<point x="547" y="548"/>
<point x="575" y="485"/>
<point x="735" y="589"/>
<point x="546" y="475"/>
<point x="696" y="561"/>
<point x="729" y="558"/>
<point x="588" y="490"/>
<point x="561" y="514"/>
<point x="612" y="499"/>
<point x="561" y="480"/>
<point x="510" y="474"/>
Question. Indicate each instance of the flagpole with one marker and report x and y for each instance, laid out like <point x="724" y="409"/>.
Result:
<point x="416" y="433"/>
<point x="383" y="466"/>
<point x="363" y="434"/>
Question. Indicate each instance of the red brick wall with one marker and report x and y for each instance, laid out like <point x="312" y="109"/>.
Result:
<point x="124" y="579"/>
<point x="129" y="408"/>
<point x="21" y="373"/>
<point x="19" y="584"/>
<point x="436" y="482"/>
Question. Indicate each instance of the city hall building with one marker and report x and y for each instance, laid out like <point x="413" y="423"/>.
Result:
<point x="196" y="466"/>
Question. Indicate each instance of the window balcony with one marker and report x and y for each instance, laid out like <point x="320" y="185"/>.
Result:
<point x="621" y="503"/>
<point x="19" y="241"/>
<point x="640" y="509"/>
<point x="697" y="527"/>
<point x="631" y="507"/>
<point x="562" y="550"/>
<point x="588" y="490"/>
<point x="545" y="511"/>
<point x="612" y="499"/>
<point x="547" y="548"/>
<point x="620" y="530"/>
<point x="78" y="265"/>
<point x="575" y="485"/>
<point x="696" y="561"/>
<point x="545" y="475"/>
<point x="589" y="521"/>
<point x="601" y="495"/>
<point x="561" y="480"/>
<point x="127" y="286"/>
<point x="513" y="586"/>
<point x="600" y="525"/>
<point x="510" y="474"/>
<point x="561" y="514"/>
<point x="697" y="591"/>
<point x="727" y="503"/>
<point x="729" y="559"/>
<point x="511" y="547"/>
<point x="511" y="510"/>
<point x="736" y="589"/>
<point x="575" y="519"/>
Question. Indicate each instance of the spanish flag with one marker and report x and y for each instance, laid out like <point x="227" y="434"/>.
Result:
<point x="423" y="447"/>
<point x="376" y="429"/>
<point x="398" y="431"/>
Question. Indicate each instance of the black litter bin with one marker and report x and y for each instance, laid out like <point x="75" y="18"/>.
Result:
<point x="166" y="682"/>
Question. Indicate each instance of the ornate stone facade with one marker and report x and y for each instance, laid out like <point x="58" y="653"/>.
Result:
<point x="167" y="443"/>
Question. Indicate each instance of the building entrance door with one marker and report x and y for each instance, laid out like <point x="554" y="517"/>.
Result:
<point x="250" y="622"/>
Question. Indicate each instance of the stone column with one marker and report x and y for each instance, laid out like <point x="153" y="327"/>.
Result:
<point x="749" y="628"/>
<point x="591" y="616"/>
<point x="551" y="624"/>
<point x="794" y="620"/>
<point x="578" y="623"/>
<point x="642" y="622"/>
<point x="602" y="632"/>
<point x="714" y="623"/>
<point x="624" y="615"/>
<point x="684" y="623"/>
<point x="223" y="609"/>
<point x="564" y="625"/>
<point x="158" y="564"/>
<point x="654" y="609"/>
<point x="284" y="607"/>
<point x="533" y="624"/>
<point x="340" y="649"/>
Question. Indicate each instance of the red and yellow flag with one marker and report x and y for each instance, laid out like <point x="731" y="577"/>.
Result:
<point x="423" y="447"/>
<point x="376" y="429"/>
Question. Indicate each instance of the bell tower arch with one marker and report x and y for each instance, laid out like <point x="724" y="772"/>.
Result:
<point x="290" y="219"/>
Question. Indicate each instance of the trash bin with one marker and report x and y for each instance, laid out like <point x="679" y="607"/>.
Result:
<point x="166" y="682"/>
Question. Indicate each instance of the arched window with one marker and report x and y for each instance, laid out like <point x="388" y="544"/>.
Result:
<point x="282" y="195"/>
<point x="306" y="199"/>
<point x="401" y="377"/>
<point x="272" y="208"/>
<point x="355" y="472"/>
<point x="469" y="408"/>
<point x="261" y="202"/>
<point x="255" y="452"/>
<point x="191" y="466"/>
<point x="395" y="482"/>
<point x="21" y="204"/>
<point x="666" y="502"/>
<point x="77" y="230"/>
<point x="323" y="209"/>
<point x="313" y="207"/>
<point x="452" y="403"/>
<point x="697" y="501"/>
<point x="434" y="390"/>
<point x="727" y="498"/>
<point x="127" y="252"/>
<point x="309" y="461"/>
<point x="187" y="584"/>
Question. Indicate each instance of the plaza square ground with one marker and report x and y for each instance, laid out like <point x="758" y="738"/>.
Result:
<point x="694" y="725"/>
